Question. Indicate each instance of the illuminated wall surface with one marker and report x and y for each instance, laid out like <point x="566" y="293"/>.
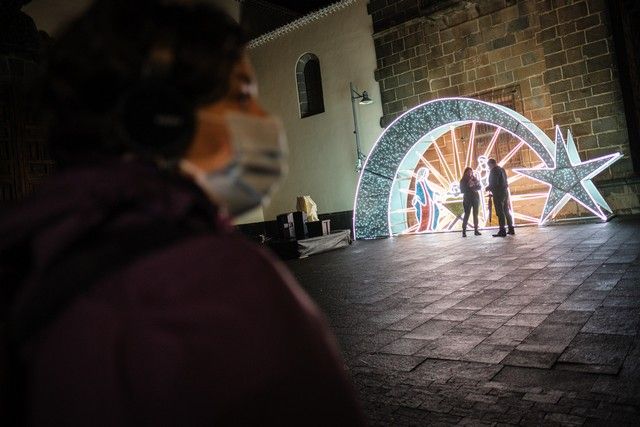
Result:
<point x="409" y="183"/>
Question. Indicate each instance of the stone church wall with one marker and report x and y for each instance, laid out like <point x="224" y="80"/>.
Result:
<point x="556" y="56"/>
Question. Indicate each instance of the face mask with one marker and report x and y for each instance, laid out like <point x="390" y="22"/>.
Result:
<point x="259" y="146"/>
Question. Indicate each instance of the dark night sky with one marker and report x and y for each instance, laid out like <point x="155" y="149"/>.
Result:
<point x="258" y="20"/>
<point x="303" y="6"/>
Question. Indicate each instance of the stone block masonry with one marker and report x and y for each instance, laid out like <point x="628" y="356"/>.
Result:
<point x="559" y="53"/>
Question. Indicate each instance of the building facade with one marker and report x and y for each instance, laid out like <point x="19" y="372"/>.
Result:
<point x="322" y="149"/>
<point x="554" y="61"/>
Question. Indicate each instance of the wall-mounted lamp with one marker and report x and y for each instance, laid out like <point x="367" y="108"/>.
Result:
<point x="363" y="99"/>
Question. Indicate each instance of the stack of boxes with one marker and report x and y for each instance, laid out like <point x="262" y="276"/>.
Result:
<point x="294" y="225"/>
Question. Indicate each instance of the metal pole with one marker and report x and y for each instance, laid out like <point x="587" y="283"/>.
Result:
<point x="355" y="124"/>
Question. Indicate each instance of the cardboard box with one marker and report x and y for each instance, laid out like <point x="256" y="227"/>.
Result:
<point x="319" y="228"/>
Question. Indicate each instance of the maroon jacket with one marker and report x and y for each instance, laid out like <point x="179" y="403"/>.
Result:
<point x="208" y="329"/>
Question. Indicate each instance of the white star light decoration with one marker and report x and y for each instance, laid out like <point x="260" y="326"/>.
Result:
<point x="570" y="178"/>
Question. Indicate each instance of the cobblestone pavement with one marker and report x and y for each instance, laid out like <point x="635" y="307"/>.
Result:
<point x="538" y="328"/>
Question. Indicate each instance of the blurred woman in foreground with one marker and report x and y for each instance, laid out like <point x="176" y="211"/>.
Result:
<point x="128" y="298"/>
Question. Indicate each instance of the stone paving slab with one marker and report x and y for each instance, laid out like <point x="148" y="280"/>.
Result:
<point x="539" y="328"/>
<point x="550" y="338"/>
<point x="614" y="320"/>
<point x="431" y="329"/>
<point x="596" y="353"/>
<point x="546" y="379"/>
<point x="531" y="359"/>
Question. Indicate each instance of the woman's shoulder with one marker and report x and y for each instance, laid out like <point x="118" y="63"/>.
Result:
<point x="220" y="265"/>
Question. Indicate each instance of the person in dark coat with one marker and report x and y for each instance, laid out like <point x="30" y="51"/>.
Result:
<point x="499" y="187"/>
<point x="127" y="298"/>
<point x="469" y="187"/>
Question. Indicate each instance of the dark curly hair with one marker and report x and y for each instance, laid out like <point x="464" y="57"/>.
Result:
<point x="107" y="51"/>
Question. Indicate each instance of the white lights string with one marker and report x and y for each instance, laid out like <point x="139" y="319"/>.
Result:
<point x="570" y="178"/>
<point x="398" y="158"/>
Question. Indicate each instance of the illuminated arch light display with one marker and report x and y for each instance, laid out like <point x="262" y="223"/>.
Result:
<point x="401" y="191"/>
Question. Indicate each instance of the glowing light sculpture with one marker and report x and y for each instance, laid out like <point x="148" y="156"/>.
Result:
<point x="385" y="178"/>
<point x="570" y="178"/>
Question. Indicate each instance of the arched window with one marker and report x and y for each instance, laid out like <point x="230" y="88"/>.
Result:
<point x="309" y="83"/>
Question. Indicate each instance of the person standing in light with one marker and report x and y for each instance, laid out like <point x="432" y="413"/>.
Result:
<point x="499" y="187"/>
<point x="470" y="186"/>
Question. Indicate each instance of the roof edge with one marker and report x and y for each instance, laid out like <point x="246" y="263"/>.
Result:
<point x="299" y="23"/>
